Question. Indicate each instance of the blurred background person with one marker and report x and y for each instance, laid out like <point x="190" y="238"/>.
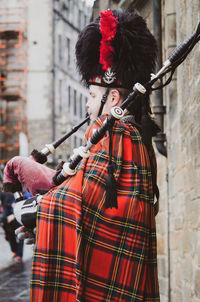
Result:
<point x="9" y="224"/>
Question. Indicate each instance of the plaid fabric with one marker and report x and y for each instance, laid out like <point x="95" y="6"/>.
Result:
<point x="84" y="252"/>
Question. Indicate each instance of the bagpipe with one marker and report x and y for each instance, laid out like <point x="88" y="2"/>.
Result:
<point x="25" y="210"/>
<point x="41" y="157"/>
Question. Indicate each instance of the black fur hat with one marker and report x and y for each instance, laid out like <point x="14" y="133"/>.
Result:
<point x="116" y="50"/>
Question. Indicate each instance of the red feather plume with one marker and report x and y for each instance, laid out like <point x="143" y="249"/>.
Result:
<point x="108" y="28"/>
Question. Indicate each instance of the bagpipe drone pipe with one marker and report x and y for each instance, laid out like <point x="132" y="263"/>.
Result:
<point x="25" y="210"/>
<point x="41" y="156"/>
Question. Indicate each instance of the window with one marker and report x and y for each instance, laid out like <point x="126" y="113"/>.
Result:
<point x="68" y="51"/>
<point x="81" y="106"/>
<point x="60" y="98"/>
<point x="75" y="103"/>
<point x="67" y="6"/>
<point x="75" y="141"/>
<point x="85" y="20"/>
<point x="60" y="47"/>
<point x="69" y="97"/>
<point x="86" y="100"/>
<point x="84" y="109"/>
<point x="79" y="18"/>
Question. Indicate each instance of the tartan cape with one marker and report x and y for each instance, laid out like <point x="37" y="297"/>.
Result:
<point x="85" y="252"/>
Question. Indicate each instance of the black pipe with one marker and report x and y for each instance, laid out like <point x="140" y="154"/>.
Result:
<point x="41" y="156"/>
<point x="158" y="109"/>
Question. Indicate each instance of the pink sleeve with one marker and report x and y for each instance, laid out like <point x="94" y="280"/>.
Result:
<point x="33" y="176"/>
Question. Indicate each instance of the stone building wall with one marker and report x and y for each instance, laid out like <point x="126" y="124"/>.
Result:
<point x="178" y="227"/>
<point x="70" y="96"/>
<point x="56" y="98"/>
<point x="40" y="66"/>
<point x="184" y="166"/>
<point x="178" y="221"/>
<point x="100" y="5"/>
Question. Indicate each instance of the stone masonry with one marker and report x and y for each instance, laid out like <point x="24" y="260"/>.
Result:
<point x="178" y="221"/>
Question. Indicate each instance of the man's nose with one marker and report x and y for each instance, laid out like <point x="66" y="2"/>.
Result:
<point x="87" y="104"/>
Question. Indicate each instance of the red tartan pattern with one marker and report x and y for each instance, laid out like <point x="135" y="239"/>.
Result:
<point x="84" y="252"/>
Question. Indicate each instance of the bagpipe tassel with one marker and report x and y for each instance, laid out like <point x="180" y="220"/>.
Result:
<point x="111" y="189"/>
<point x="111" y="184"/>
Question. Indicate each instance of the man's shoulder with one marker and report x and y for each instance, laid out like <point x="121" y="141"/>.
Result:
<point x="128" y="126"/>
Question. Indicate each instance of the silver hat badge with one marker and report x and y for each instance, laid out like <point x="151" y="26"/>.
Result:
<point x="109" y="76"/>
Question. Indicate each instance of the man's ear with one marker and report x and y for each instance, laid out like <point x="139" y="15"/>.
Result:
<point x="115" y="98"/>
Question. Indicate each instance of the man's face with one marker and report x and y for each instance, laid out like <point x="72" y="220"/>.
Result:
<point x="94" y="101"/>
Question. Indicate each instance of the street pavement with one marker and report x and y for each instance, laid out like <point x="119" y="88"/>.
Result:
<point x="14" y="277"/>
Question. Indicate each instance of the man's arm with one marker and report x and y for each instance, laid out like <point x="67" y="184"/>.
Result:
<point x="32" y="175"/>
